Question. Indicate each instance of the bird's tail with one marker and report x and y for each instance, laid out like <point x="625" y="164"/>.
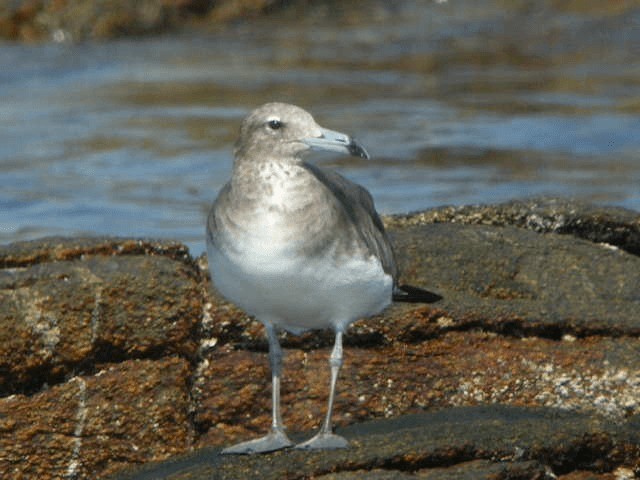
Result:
<point x="410" y="294"/>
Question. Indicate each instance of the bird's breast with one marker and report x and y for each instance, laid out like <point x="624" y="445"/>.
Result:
<point x="279" y="209"/>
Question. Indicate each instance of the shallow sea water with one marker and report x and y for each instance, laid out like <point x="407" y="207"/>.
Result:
<point x="458" y="102"/>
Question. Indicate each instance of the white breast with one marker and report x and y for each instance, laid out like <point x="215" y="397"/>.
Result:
<point x="265" y="275"/>
<point x="300" y="293"/>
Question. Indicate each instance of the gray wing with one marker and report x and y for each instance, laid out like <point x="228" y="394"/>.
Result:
<point x="213" y="229"/>
<point x="359" y="208"/>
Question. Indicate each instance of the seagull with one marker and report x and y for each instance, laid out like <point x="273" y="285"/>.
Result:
<point x="299" y="248"/>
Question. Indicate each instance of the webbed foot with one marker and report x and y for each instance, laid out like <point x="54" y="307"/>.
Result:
<point x="274" y="440"/>
<point x="324" y="441"/>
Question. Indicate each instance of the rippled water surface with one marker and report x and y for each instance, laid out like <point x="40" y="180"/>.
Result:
<point x="458" y="102"/>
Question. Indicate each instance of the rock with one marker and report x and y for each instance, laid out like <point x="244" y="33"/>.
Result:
<point x="113" y="353"/>
<point x="471" y="470"/>
<point x="53" y="249"/>
<point x="73" y="21"/>
<point x="615" y="226"/>
<point x="596" y="375"/>
<point x="530" y="443"/>
<point x="66" y="20"/>
<point x="125" y="414"/>
<point x="519" y="281"/>
<point x="67" y="306"/>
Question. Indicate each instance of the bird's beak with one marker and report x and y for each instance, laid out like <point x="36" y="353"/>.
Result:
<point x="336" y="142"/>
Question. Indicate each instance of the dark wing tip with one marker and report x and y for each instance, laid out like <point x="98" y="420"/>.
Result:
<point x="410" y="294"/>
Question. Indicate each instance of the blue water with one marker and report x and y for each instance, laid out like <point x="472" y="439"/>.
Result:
<point x="458" y="102"/>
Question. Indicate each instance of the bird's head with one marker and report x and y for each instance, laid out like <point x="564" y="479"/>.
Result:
<point x="283" y="131"/>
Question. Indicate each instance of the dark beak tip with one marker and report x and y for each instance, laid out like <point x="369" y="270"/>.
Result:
<point x="357" y="150"/>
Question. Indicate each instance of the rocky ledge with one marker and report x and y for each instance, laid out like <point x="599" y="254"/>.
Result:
<point x="73" y="20"/>
<point x="117" y="361"/>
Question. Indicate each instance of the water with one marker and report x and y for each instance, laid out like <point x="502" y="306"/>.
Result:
<point x="458" y="102"/>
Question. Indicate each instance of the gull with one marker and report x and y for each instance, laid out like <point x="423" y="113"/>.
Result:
<point x="299" y="247"/>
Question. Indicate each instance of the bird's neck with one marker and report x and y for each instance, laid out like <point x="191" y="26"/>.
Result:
<point x="269" y="183"/>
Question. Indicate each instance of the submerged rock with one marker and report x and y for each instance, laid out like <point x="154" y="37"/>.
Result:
<point x="113" y="353"/>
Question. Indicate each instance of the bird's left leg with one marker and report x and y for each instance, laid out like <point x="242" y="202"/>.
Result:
<point x="325" y="438"/>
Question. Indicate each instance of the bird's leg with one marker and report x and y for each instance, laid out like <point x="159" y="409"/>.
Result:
<point x="325" y="438"/>
<point x="275" y="360"/>
<point x="276" y="439"/>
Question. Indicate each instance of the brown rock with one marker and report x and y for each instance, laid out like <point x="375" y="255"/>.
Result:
<point x="595" y="374"/>
<point x="53" y="249"/>
<point x="17" y="18"/>
<point x="472" y="470"/>
<point x="59" y="317"/>
<point x="113" y="354"/>
<point x="66" y="20"/>
<point x="129" y="413"/>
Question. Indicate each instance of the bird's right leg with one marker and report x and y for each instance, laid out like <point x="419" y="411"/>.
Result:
<point x="276" y="439"/>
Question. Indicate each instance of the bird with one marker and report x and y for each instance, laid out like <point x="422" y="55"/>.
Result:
<point x="299" y="248"/>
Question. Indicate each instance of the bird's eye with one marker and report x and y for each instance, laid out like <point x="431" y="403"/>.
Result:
<point x="274" y="124"/>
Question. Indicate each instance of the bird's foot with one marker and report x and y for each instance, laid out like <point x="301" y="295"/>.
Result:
<point x="274" y="440"/>
<point x="324" y="441"/>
